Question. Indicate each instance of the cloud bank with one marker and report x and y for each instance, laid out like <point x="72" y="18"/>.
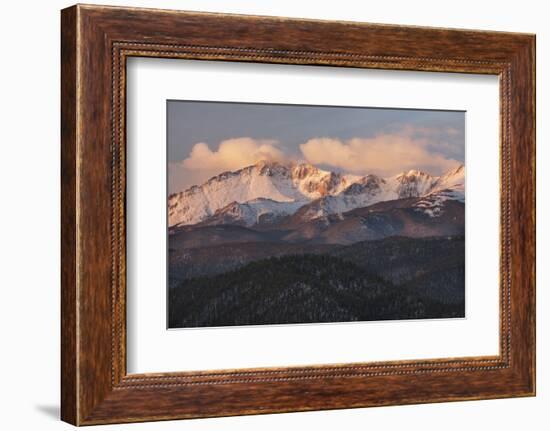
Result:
<point x="386" y="154"/>
<point x="231" y="154"/>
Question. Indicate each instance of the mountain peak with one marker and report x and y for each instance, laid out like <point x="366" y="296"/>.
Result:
<point x="413" y="173"/>
<point x="452" y="179"/>
<point x="271" y="168"/>
<point x="273" y="188"/>
<point x="459" y="169"/>
<point x="303" y="170"/>
<point x="413" y="183"/>
<point x="266" y="163"/>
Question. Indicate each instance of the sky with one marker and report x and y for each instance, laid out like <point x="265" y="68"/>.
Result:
<point x="207" y="138"/>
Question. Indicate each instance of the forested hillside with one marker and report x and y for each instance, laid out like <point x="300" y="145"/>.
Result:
<point x="303" y="288"/>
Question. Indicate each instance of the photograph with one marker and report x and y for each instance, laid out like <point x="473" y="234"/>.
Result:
<point x="294" y="214"/>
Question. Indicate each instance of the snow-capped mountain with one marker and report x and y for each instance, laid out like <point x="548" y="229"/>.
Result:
<point x="268" y="180"/>
<point x="257" y="211"/>
<point x="365" y="191"/>
<point x="267" y="191"/>
<point x="449" y="186"/>
<point x="371" y="189"/>
<point x="412" y="184"/>
<point x="451" y="180"/>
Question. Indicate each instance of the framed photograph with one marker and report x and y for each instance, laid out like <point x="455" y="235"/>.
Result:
<point x="264" y="215"/>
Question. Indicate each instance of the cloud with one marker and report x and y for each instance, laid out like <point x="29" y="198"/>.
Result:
<point x="441" y="140"/>
<point x="231" y="154"/>
<point x="385" y="154"/>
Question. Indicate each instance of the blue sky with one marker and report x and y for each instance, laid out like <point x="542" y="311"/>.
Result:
<point x="206" y="138"/>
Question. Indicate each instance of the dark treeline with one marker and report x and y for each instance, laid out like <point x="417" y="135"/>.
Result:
<point x="310" y="288"/>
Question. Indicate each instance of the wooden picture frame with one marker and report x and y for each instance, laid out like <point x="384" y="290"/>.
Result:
<point x="95" y="43"/>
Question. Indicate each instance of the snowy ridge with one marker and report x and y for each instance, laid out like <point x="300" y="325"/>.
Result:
<point x="268" y="180"/>
<point x="412" y="184"/>
<point x="267" y="191"/>
<point x="256" y="211"/>
<point x="451" y="180"/>
<point x="433" y="203"/>
<point x="366" y="191"/>
<point x="450" y="186"/>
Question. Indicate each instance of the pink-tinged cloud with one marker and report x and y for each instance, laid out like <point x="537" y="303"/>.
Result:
<point x="231" y="154"/>
<point x="383" y="155"/>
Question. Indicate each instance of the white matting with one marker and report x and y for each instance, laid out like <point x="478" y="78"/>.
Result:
<point x="151" y="347"/>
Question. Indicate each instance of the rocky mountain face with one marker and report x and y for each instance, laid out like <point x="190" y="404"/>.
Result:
<point x="267" y="192"/>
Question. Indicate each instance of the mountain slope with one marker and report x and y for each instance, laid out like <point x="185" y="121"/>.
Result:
<point x="257" y="211"/>
<point x="412" y="184"/>
<point x="298" y="289"/>
<point x="372" y="189"/>
<point x="203" y="236"/>
<point x="267" y="180"/>
<point x="400" y="217"/>
<point x="432" y="265"/>
<point x="191" y="262"/>
<point x="266" y="192"/>
<point x="449" y="186"/>
<point x="365" y="191"/>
